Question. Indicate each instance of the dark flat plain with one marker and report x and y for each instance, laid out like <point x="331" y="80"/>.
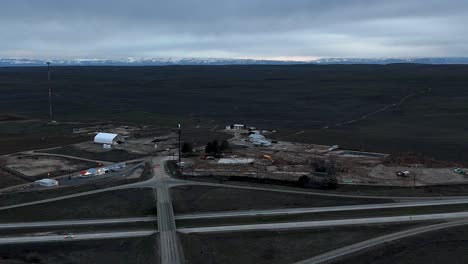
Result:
<point x="110" y="204"/>
<point x="444" y="246"/>
<point x="193" y="198"/>
<point x="275" y="247"/>
<point x="285" y="98"/>
<point x="121" y="251"/>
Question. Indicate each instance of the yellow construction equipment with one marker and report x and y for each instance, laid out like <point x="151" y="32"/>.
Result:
<point x="268" y="157"/>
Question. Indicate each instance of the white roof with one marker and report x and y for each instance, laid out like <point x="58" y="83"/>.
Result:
<point x="262" y="142"/>
<point x="235" y="161"/>
<point x="104" y="138"/>
<point x="238" y="125"/>
<point x="47" y="181"/>
<point x="256" y="136"/>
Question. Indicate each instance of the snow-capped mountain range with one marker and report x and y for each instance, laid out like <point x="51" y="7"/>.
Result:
<point x="11" y="62"/>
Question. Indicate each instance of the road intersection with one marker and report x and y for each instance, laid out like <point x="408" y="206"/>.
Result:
<point x="171" y="250"/>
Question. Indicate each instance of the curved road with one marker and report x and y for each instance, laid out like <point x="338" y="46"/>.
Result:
<point x="396" y="198"/>
<point x="174" y="182"/>
<point x="326" y="223"/>
<point x="171" y="182"/>
<point x="341" y="253"/>
<point x="171" y="250"/>
<point x="293" y="211"/>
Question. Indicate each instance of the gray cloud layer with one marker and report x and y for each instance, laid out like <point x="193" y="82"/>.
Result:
<point x="235" y="28"/>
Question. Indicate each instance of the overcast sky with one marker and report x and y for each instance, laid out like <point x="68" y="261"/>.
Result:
<point x="270" y="29"/>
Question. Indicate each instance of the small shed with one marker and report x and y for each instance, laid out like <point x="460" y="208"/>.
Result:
<point x="107" y="138"/>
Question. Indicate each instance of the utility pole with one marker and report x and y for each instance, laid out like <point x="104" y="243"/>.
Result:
<point x="179" y="143"/>
<point x="50" y="91"/>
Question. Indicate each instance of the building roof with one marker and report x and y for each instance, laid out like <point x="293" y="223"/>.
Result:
<point x="47" y="181"/>
<point x="262" y="142"/>
<point x="256" y="136"/>
<point x="105" y="138"/>
<point x="235" y="161"/>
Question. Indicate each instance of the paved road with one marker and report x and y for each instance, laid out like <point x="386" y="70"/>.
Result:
<point x="78" y="222"/>
<point x="60" y="238"/>
<point x="75" y="180"/>
<point x="293" y="211"/>
<point x="170" y="249"/>
<point x="143" y="184"/>
<point x="174" y="182"/>
<point x="327" y="223"/>
<point x="273" y="189"/>
<point x="341" y="253"/>
<point x="171" y="182"/>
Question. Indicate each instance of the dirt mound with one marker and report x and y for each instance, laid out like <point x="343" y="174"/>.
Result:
<point x="413" y="159"/>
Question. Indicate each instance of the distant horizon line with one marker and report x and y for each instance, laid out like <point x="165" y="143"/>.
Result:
<point x="274" y="58"/>
<point x="193" y="61"/>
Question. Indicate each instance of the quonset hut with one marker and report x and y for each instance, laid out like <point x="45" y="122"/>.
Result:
<point x="108" y="139"/>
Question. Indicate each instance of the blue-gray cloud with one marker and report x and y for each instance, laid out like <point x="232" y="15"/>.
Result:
<point x="240" y="28"/>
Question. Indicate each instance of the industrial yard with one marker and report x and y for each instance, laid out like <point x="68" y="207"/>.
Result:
<point x="230" y="190"/>
<point x="249" y="155"/>
<point x="283" y="162"/>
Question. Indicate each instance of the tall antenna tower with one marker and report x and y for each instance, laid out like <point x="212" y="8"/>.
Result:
<point x="50" y="91"/>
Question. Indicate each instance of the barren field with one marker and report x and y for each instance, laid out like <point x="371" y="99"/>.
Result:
<point x="274" y="247"/>
<point x="114" y="155"/>
<point x="119" y="203"/>
<point x="120" y="251"/>
<point x="445" y="246"/>
<point x="7" y="179"/>
<point x="39" y="166"/>
<point x="189" y="199"/>
<point x="422" y="176"/>
<point x="24" y="135"/>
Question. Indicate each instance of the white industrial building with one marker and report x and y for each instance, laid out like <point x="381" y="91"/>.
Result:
<point x="259" y="140"/>
<point x="262" y="142"/>
<point x="236" y="127"/>
<point x="235" y="161"/>
<point x="255" y="137"/>
<point x="47" y="182"/>
<point x="107" y="139"/>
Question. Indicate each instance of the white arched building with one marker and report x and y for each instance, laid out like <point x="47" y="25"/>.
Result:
<point x="107" y="139"/>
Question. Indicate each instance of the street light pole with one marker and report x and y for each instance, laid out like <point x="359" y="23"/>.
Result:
<point x="179" y="143"/>
<point x="50" y="91"/>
